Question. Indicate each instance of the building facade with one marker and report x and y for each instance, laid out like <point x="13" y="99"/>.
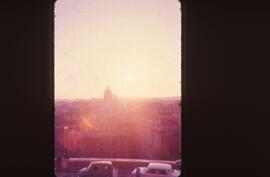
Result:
<point x="113" y="128"/>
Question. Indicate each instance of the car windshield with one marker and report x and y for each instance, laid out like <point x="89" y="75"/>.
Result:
<point x="101" y="168"/>
<point x="157" y="171"/>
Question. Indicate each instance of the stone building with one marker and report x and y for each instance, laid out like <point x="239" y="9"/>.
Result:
<point x="161" y="138"/>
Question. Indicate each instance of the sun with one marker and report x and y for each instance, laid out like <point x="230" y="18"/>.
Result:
<point x="130" y="78"/>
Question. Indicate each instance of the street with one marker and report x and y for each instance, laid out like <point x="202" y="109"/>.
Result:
<point x="122" y="173"/>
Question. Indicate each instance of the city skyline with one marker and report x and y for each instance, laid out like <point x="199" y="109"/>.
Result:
<point x="127" y="97"/>
<point x="101" y="43"/>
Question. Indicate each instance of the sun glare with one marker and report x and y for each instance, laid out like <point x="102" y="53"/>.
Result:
<point x="130" y="78"/>
<point x="117" y="91"/>
<point x="117" y="46"/>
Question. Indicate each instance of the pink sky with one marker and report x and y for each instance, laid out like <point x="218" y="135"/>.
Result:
<point x="131" y="45"/>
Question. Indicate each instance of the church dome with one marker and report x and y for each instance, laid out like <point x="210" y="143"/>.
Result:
<point x="108" y="94"/>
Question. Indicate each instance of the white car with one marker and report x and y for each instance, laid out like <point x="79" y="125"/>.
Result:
<point x="178" y="162"/>
<point x="99" y="169"/>
<point x="156" y="170"/>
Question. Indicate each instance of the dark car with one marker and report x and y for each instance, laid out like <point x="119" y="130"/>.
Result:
<point x="99" y="169"/>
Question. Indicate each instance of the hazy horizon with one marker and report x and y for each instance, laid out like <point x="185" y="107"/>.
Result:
<point x="133" y="46"/>
<point x="131" y="97"/>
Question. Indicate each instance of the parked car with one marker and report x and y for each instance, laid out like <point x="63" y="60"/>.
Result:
<point x="178" y="162"/>
<point x="156" y="170"/>
<point x="99" y="169"/>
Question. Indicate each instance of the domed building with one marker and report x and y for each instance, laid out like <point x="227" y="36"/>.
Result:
<point x="108" y="94"/>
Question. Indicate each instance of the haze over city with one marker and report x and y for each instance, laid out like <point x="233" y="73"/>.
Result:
<point x="131" y="46"/>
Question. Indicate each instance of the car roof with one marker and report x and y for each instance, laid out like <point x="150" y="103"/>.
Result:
<point x="160" y="166"/>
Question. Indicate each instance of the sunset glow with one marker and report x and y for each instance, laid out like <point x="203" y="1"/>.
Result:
<point x="133" y="46"/>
